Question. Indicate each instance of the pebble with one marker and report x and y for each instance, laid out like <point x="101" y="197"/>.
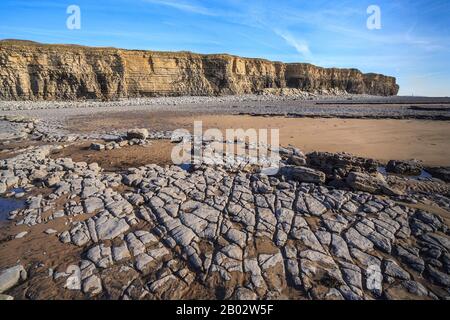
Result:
<point x="22" y="234"/>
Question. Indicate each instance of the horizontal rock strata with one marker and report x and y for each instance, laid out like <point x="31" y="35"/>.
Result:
<point x="35" y="71"/>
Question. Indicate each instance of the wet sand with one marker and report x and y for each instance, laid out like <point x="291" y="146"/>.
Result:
<point x="382" y="139"/>
<point x="428" y="141"/>
<point x="157" y="152"/>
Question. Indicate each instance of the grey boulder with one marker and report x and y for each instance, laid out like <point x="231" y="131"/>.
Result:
<point x="137" y="134"/>
<point x="303" y="174"/>
<point x="10" y="277"/>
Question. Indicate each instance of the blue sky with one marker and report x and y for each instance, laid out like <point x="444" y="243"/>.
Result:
<point x="413" y="43"/>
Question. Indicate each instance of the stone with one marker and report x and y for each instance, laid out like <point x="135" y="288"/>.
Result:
<point x="182" y="235"/>
<point x="142" y="261"/>
<point x="3" y="187"/>
<point x="367" y="229"/>
<point x="164" y="283"/>
<point x="333" y="294"/>
<point x="64" y="237"/>
<point x="352" y="275"/>
<point x="392" y="269"/>
<point x="308" y="238"/>
<point x="245" y="294"/>
<point x="339" y="165"/>
<point x="146" y="237"/>
<point x="11" y="277"/>
<point x="87" y="269"/>
<point x="411" y="167"/>
<point x="111" y="228"/>
<point x="232" y="251"/>
<point x="313" y="263"/>
<point x="50" y="231"/>
<point x="137" y="134"/>
<point x="415" y="288"/>
<point x="364" y="259"/>
<point x="315" y="207"/>
<point x="442" y="173"/>
<point x="134" y="245"/>
<point x="339" y="247"/>
<point x="94" y="167"/>
<point x="365" y="182"/>
<point x="35" y="202"/>
<point x="324" y="237"/>
<point x="303" y="174"/>
<point x="236" y="236"/>
<point x="92" y="285"/>
<point x="410" y="259"/>
<point x="20" y="235"/>
<point x="429" y="219"/>
<point x="80" y="234"/>
<point x="348" y="294"/>
<point x="97" y="146"/>
<point x="355" y="239"/>
<point x="92" y="204"/>
<point x="158" y="253"/>
<point x="38" y="175"/>
<point x="297" y="160"/>
<point x="100" y="255"/>
<point x="436" y="240"/>
<point x="52" y="180"/>
<point x="438" y="277"/>
<point x="120" y="252"/>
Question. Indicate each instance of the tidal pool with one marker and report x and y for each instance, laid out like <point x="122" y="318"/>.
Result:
<point x="10" y="204"/>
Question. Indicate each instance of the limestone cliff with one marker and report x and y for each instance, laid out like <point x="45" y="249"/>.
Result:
<point x="32" y="71"/>
<point x="309" y="77"/>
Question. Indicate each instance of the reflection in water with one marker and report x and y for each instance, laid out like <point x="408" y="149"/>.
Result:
<point x="186" y="166"/>
<point x="10" y="204"/>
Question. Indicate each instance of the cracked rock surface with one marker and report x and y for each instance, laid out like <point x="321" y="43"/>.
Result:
<point x="317" y="230"/>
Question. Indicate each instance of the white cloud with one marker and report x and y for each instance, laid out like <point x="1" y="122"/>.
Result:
<point x="183" y="6"/>
<point x="300" y="45"/>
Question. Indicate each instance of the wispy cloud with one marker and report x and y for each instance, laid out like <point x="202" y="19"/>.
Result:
<point x="301" y="46"/>
<point x="429" y="75"/>
<point x="183" y="6"/>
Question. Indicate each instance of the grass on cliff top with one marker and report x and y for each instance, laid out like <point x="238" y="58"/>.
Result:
<point x="28" y="43"/>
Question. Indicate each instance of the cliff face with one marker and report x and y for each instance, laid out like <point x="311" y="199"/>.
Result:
<point x="309" y="77"/>
<point x="31" y="71"/>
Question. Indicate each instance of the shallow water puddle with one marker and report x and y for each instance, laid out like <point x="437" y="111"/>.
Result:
<point x="10" y="204"/>
<point x="186" y="166"/>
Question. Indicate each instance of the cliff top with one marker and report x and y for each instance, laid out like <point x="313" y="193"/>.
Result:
<point x="28" y="43"/>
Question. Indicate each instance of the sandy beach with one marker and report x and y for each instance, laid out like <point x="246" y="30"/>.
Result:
<point x="382" y="139"/>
